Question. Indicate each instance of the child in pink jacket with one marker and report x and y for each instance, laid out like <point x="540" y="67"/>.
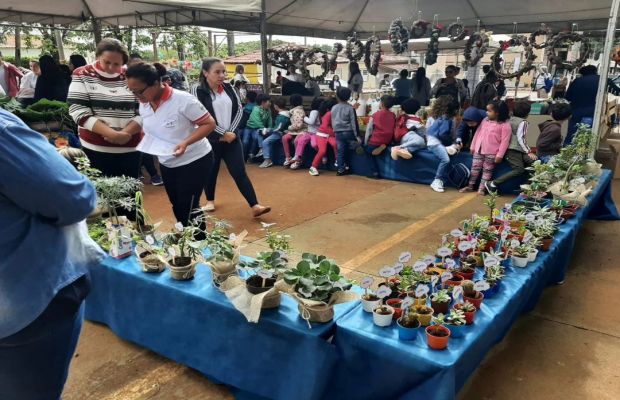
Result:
<point x="489" y="145"/>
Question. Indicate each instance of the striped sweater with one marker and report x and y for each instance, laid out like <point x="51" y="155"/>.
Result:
<point x="97" y="96"/>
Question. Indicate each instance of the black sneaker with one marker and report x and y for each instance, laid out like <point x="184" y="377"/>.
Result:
<point x="490" y="186"/>
<point x="343" y="172"/>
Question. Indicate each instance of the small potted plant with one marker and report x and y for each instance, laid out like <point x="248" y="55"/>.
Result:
<point x="149" y="256"/>
<point x="184" y="251"/>
<point x="545" y="232"/>
<point x="520" y="255"/>
<point x="395" y="304"/>
<point x="471" y="295"/>
<point x="425" y="314"/>
<point x="224" y="248"/>
<point x="456" y="322"/>
<point x="467" y="269"/>
<point x="370" y="301"/>
<point x="493" y="275"/>
<point x="440" y="301"/>
<point x="143" y="225"/>
<point x="437" y="335"/>
<point x="315" y="281"/>
<point x="533" y="251"/>
<point x="383" y="315"/>
<point x="469" y="310"/>
<point x="455" y="280"/>
<point x="408" y="326"/>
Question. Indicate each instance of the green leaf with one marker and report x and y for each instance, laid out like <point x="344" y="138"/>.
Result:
<point x="303" y="268"/>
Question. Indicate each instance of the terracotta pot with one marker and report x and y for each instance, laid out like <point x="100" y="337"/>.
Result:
<point x="437" y="342"/>
<point x="469" y="316"/>
<point x="395" y="304"/>
<point x="425" y="319"/>
<point x="440" y="308"/>
<point x="546" y="244"/>
<point x="468" y="276"/>
<point x="475" y="301"/>
<point x="455" y="280"/>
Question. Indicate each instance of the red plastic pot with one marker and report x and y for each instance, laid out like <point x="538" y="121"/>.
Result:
<point x="468" y="276"/>
<point x="469" y="316"/>
<point x="490" y="245"/>
<point x="395" y="303"/>
<point x="546" y="244"/>
<point x="455" y="280"/>
<point x="437" y="342"/>
<point x="475" y="301"/>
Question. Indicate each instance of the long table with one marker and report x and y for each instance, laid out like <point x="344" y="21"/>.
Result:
<point x="193" y="323"/>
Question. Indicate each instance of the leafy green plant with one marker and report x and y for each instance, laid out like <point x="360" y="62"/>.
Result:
<point x="456" y="317"/>
<point x="494" y="273"/>
<point x="98" y="232"/>
<point x="276" y="240"/>
<point x="467" y="307"/>
<point x="522" y="250"/>
<point x="316" y="278"/>
<point x="117" y="192"/>
<point x="491" y="202"/>
<point x="218" y="240"/>
<point x="183" y="243"/>
<point x="269" y="260"/>
<point x="441" y="296"/>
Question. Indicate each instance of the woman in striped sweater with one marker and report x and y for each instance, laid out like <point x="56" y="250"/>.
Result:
<point x="107" y="112"/>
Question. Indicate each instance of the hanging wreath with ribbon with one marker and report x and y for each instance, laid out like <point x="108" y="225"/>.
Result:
<point x="568" y="38"/>
<point x="286" y="56"/>
<point x="527" y="66"/>
<point x="543" y="30"/>
<point x="399" y="36"/>
<point x="456" y="31"/>
<point x="333" y="59"/>
<point x="433" y="46"/>
<point x="419" y="28"/>
<point x="316" y="56"/>
<point x="475" y="47"/>
<point x="372" y="57"/>
<point x="354" y="49"/>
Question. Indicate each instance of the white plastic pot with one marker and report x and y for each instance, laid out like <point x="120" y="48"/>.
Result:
<point x="370" y="305"/>
<point x="383" y="320"/>
<point x="520" y="262"/>
<point x="532" y="255"/>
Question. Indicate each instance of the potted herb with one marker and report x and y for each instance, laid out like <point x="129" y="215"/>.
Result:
<point x="184" y="251"/>
<point x="369" y="301"/>
<point x="456" y="322"/>
<point x="316" y="280"/>
<point x="149" y="256"/>
<point x="440" y="301"/>
<point x="425" y="314"/>
<point x="471" y="295"/>
<point x="408" y="325"/>
<point x="437" y="335"/>
<point x="469" y="310"/>
<point x="224" y="248"/>
<point x="382" y="315"/>
<point x="520" y="255"/>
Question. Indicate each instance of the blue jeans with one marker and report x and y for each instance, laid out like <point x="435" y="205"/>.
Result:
<point x="345" y="140"/>
<point x="545" y="159"/>
<point x="444" y="160"/>
<point x="269" y="142"/>
<point x="412" y="142"/>
<point x="256" y="141"/>
<point x="374" y="165"/>
<point x="246" y="136"/>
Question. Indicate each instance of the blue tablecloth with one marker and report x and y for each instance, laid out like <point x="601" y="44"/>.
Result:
<point x="193" y="323"/>
<point x="377" y="365"/>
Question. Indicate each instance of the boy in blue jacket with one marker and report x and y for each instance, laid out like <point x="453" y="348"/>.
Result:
<point x="472" y="117"/>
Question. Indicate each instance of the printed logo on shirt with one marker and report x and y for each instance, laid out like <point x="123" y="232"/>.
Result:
<point x="171" y="122"/>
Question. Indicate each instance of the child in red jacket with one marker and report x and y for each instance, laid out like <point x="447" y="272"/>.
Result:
<point x="324" y="135"/>
<point x="380" y="132"/>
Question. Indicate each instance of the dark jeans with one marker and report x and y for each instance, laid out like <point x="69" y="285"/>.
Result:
<point x="184" y="186"/>
<point x="374" y="165"/>
<point x="233" y="156"/>
<point x="34" y="362"/>
<point x="345" y="140"/>
<point x="148" y="162"/>
<point x="112" y="164"/>
<point x="518" y="161"/>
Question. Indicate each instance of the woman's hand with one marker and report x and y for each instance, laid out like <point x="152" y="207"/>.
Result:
<point x="180" y="148"/>
<point x="119" y="137"/>
<point x="228" y="137"/>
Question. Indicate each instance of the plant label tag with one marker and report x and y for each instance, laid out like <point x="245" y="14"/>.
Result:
<point x="484" y="224"/>
<point x="474" y="242"/>
<point x="179" y="226"/>
<point x="508" y="206"/>
<point x="443" y="252"/>
<point x="404" y="257"/>
<point x="149" y="239"/>
<point x="490" y="261"/>
<point x="387" y="271"/>
<point x="232" y="237"/>
<point x="406" y="302"/>
<point x="421" y="290"/>
<point x="398" y="267"/>
<point x="464" y="246"/>
<point x="434" y="280"/>
<point x="514" y="243"/>
<point x="449" y="263"/>
<point x="456" y="233"/>
<point x="481" y="286"/>
<point x="428" y="259"/>
<point x="172" y="252"/>
<point x="419" y="266"/>
<point x="445" y="276"/>
<point x="527" y="236"/>
<point x="529" y="217"/>
<point x="366" y="282"/>
<point x="457" y="294"/>
<point x="384" y="292"/>
<point x="264" y="273"/>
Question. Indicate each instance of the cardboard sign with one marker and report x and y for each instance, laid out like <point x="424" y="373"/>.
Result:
<point x="445" y="276"/>
<point x="421" y="290"/>
<point x="464" y="246"/>
<point x="384" y="292"/>
<point x="404" y="257"/>
<point x="366" y="282"/>
<point x="481" y="286"/>
<point x="387" y="271"/>
<point x="265" y="273"/>
<point x="443" y="252"/>
<point x="419" y="266"/>
<point x="456" y="233"/>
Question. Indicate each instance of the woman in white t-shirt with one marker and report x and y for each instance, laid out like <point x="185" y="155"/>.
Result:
<point x="175" y="126"/>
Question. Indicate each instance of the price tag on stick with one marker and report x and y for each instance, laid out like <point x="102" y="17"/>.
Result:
<point x="366" y="282"/>
<point x="421" y="290"/>
<point x="457" y="294"/>
<point x="149" y="239"/>
<point x="434" y="280"/>
<point x="456" y="233"/>
<point x="404" y="257"/>
<point x="179" y="226"/>
<point x="383" y="292"/>
<point x="387" y="271"/>
<point x="449" y="263"/>
<point x="398" y="267"/>
<point x="443" y="252"/>
<point x="446" y="276"/>
<point x="464" y="246"/>
<point x="428" y="259"/>
<point x="264" y="273"/>
<point x="419" y="266"/>
<point x="481" y="286"/>
<point x="514" y="243"/>
<point x="406" y="302"/>
<point x="490" y="261"/>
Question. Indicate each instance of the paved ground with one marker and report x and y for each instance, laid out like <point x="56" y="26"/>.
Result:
<point x="567" y="348"/>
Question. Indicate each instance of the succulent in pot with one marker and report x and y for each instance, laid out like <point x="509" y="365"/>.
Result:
<point x="437" y="335"/>
<point x="440" y="301"/>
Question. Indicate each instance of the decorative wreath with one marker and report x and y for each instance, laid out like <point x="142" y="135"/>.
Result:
<point x="496" y="58"/>
<point x="355" y="48"/>
<point x="310" y="57"/>
<point x="372" y="57"/>
<point x="286" y="56"/>
<point x="433" y="46"/>
<point x="479" y="41"/>
<point x="418" y="29"/>
<point x="456" y="31"/>
<point x="557" y="40"/>
<point x="399" y="36"/>
<point x="544" y="30"/>
<point x="333" y="63"/>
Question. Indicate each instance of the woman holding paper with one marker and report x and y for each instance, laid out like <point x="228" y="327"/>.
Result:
<point x="175" y="126"/>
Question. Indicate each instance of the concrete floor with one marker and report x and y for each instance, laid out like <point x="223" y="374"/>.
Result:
<point x="567" y="348"/>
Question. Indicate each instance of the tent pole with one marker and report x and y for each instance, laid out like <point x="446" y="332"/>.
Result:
<point x="601" y="95"/>
<point x="263" y="48"/>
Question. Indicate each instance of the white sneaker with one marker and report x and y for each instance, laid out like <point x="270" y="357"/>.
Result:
<point x="452" y="149"/>
<point x="394" y="153"/>
<point x="437" y="186"/>
<point x="313" y="171"/>
<point x="404" y="154"/>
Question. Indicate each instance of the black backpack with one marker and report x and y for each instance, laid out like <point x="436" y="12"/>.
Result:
<point x="458" y="175"/>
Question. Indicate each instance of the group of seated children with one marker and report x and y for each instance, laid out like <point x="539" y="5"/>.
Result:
<point x="492" y="135"/>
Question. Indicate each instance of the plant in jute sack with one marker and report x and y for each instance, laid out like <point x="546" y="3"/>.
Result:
<point x="225" y="250"/>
